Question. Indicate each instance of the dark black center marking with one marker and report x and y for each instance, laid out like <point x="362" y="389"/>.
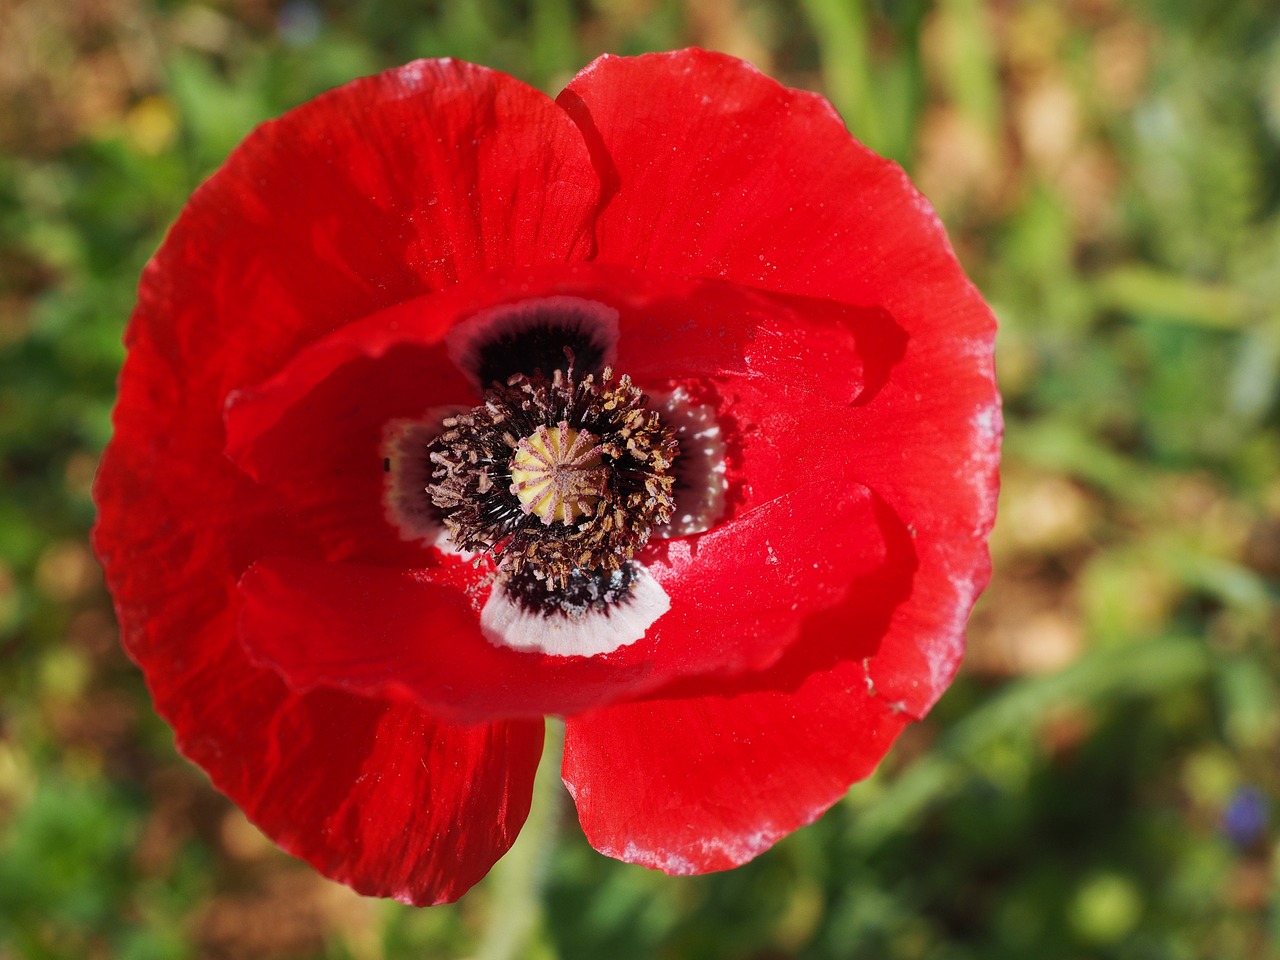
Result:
<point x="583" y="593"/>
<point x="539" y="349"/>
<point x="533" y="338"/>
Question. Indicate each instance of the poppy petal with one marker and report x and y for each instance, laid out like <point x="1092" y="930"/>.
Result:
<point x="377" y="794"/>
<point x="711" y="169"/>
<point x="695" y="784"/>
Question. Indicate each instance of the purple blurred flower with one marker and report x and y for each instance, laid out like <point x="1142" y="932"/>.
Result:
<point x="1245" y="818"/>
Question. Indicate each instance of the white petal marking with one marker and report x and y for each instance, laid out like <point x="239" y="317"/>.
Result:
<point x="701" y="485"/>
<point x="586" y="634"/>
<point x="405" y="501"/>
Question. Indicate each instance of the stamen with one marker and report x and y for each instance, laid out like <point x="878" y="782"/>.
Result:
<point x="555" y="476"/>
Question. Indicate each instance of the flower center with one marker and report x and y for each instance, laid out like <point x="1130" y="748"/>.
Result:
<point x="559" y="474"/>
<point x="558" y="478"/>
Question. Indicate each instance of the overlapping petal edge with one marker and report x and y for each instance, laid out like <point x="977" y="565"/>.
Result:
<point x="292" y="309"/>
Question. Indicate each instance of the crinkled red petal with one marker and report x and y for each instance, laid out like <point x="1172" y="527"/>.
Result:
<point x="313" y="432"/>
<point x="706" y="774"/>
<point x="739" y="593"/>
<point x="379" y="191"/>
<point x="711" y="169"/>
<point x="695" y="784"/>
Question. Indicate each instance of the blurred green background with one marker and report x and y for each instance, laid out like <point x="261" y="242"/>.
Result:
<point x="1100" y="783"/>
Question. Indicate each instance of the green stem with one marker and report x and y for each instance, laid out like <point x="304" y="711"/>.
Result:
<point x="516" y="884"/>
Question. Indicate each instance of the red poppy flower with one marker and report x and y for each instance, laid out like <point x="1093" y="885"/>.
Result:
<point x="662" y="406"/>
